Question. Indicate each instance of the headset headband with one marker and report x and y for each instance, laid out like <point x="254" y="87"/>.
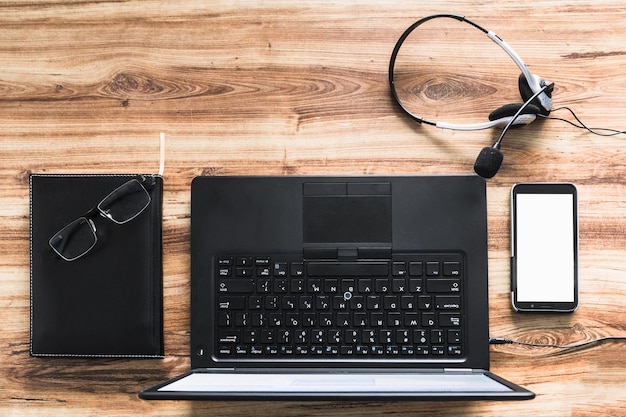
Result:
<point x="535" y="83"/>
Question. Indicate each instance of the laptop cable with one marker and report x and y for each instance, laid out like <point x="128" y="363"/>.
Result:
<point x="505" y="341"/>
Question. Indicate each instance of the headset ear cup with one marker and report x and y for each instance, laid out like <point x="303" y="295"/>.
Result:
<point x="509" y="110"/>
<point x="526" y="92"/>
<point x="524" y="89"/>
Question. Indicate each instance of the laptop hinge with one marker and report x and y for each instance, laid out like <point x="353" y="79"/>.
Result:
<point x="458" y="370"/>
<point x="347" y="253"/>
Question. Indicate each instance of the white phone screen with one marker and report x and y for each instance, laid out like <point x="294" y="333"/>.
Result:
<point x="545" y="248"/>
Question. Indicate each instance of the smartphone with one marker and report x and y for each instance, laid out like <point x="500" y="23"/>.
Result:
<point x="544" y="247"/>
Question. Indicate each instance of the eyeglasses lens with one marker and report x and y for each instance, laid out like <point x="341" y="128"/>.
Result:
<point x="75" y="239"/>
<point x="125" y="202"/>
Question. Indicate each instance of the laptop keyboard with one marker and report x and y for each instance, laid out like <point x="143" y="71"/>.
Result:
<point x="283" y="307"/>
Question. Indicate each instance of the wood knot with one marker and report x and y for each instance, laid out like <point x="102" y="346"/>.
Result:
<point x="453" y="89"/>
<point x="23" y="177"/>
<point x="124" y="84"/>
<point x="211" y="171"/>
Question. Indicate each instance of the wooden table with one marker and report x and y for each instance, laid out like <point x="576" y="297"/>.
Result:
<point x="283" y="87"/>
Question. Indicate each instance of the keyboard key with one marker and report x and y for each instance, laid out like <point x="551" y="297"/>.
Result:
<point x="229" y="336"/>
<point x="263" y="286"/>
<point x="416" y="269"/>
<point x="348" y="285"/>
<point x="372" y="302"/>
<point x="243" y="272"/>
<point x="225" y="261"/>
<point x="259" y="319"/>
<point x="365" y="286"/>
<point x="454" y="337"/>
<point x="403" y="337"/>
<point x="447" y="302"/>
<point x="407" y="302"/>
<point x="416" y="285"/>
<point x="262" y="261"/>
<point x="242" y="319"/>
<point x="236" y="286"/>
<point x="296" y="285"/>
<point x="422" y="351"/>
<point x="331" y="350"/>
<point x="437" y="350"/>
<point x="344" y="320"/>
<point x="436" y="336"/>
<point x="424" y="302"/>
<point x="443" y="285"/>
<point x="267" y="336"/>
<point x="334" y="336"/>
<point x="455" y="350"/>
<point x="357" y="303"/>
<point x="289" y="303"/>
<point x="224" y="319"/>
<point x="280" y="269"/>
<point x="398" y="285"/>
<point x="296" y="269"/>
<point x="420" y="336"/>
<point x="309" y="319"/>
<point x="314" y="286"/>
<point x="352" y="336"/>
<point x="411" y="320"/>
<point x="394" y="319"/>
<point x="280" y="286"/>
<point x="331" y="286"/>
<point x="382" y="285"/>
<point x="390" y="302"/>
<point x="245" y="261"/>
<point x="271" y="302"/>
<point x="449" y="319"/>
<point x="432" y="269"/>
<point x="231" y="303"/>
<point x="398" y="269"/>
<point x="255" y="302"/>
<point x="452" y="269"/>
<point x="251" y="336"/>
<point x="263" y="271"/>
<point x="342" y="269"/>
<point x="428" y="319"/>
<point x="377" y="319"/>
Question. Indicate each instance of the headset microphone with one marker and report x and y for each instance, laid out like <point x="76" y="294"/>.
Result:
<point x="488" y="162"/>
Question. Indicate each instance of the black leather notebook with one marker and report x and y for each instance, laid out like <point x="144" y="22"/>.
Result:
<point x="96" y="266"/>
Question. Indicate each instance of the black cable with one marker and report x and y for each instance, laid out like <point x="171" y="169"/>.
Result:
<point x="505" y="341"/>
<point x="595" y="130"/>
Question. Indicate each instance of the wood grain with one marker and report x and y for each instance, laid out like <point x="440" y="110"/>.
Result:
<point x="282" y="88"/>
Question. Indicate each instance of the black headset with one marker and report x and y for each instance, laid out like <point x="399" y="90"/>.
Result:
<point x="535" y="91"/>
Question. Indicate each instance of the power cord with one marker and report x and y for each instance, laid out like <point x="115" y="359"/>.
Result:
<point x="600" y="131"/>
<point x="505" y="341"/>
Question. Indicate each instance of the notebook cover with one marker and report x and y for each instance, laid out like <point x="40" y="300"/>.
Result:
<point x="107" y="303"/>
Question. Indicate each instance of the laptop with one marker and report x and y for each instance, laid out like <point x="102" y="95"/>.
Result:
<point x="330" y="287"/>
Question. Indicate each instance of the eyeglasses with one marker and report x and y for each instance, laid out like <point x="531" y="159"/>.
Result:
<point x="122" y="205"/>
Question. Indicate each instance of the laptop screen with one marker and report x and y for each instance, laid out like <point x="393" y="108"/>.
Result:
<point x="320" y="383"/>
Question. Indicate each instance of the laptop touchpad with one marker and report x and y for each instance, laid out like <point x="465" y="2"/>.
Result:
<point x="344" y="213"/>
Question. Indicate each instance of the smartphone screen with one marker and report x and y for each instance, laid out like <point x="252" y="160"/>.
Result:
<point x="544" y="258"/>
